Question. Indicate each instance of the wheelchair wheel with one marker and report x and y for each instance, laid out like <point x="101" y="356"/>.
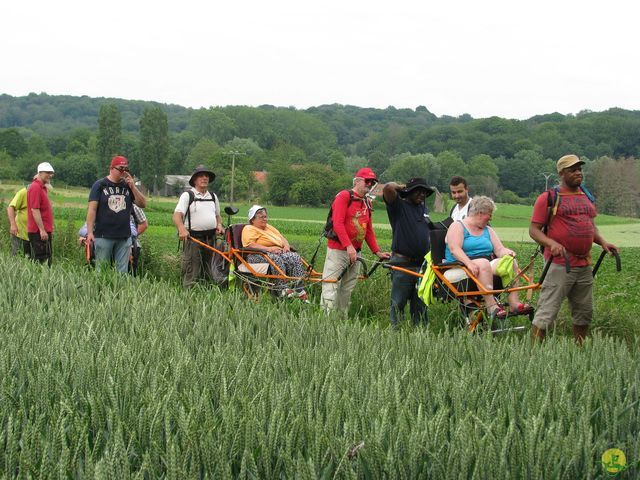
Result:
<point x="470" y="316"/>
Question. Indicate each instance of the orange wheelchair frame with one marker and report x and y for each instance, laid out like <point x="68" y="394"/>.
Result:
<point x="468" y="291"/>
<point x="257" y="276"/>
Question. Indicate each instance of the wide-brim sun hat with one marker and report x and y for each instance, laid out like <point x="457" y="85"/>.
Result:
<point x="201" y="169"/>
<point x="414" y="183"/>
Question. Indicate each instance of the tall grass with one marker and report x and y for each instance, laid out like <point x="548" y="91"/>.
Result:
<point x="104" y="376"/>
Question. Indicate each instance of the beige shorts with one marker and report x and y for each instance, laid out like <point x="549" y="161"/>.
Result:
<point x="576" y="286"/>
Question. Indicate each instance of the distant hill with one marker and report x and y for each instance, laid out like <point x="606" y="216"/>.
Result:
<point x="509" y="160"/>
<point x="357" y="130"/>
<point x="54" y="115"/>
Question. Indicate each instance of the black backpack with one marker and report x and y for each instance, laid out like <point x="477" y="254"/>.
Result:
<point x="328" y="230"/>
<point x="192" y="198"/>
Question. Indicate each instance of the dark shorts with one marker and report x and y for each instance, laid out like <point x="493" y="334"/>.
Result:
<point x="41" y="250"/>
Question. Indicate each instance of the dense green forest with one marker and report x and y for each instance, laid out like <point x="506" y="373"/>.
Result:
<point x="310" y="154"/>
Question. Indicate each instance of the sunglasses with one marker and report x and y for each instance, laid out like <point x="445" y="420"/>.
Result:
<point x="370" y="181"/>
<point x="122" y="169"/>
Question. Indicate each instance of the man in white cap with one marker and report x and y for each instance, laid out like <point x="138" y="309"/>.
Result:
<point x="565" y="226"/>
<point x="40" y="215"/>
<point x="197" y="215"/>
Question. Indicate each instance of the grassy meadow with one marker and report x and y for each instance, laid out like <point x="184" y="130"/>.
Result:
<point x="105" y="376"/>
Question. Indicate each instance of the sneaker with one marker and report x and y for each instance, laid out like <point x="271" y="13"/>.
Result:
<point x="287" y="293"/>
<point x="303" y="296"/>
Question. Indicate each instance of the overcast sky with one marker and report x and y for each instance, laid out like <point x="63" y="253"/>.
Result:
<point x="512" y="58"/>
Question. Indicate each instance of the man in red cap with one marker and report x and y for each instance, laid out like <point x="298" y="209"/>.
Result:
<point x="110" y="204"/>
<point x="352" y="225"/>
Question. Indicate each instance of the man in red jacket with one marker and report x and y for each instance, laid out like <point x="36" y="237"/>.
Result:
<point x="352" y="225"/>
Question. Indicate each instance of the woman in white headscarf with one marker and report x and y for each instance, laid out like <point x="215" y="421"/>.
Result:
<point x="259" y="235"/>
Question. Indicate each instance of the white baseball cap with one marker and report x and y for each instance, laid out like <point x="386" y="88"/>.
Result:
<point x="45" y="167"/>
<point x="253" y="210"/>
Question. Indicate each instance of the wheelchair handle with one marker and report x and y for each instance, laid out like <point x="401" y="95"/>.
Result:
<point x="601" y="257"/>
<point x="567" y="267"/>
<point x="545" y="270"/>
<point x="359" y="259"/>
<point x="374" y="268"/>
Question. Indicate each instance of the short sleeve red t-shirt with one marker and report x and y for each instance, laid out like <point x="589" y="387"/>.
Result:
<point x="572" y="226"/>
<point x="38" y="197"/>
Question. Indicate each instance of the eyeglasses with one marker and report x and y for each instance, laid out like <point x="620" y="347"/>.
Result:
<point x="260" y="215"/>
<point x="370" y="181"/>
<point x="122" y="169"/>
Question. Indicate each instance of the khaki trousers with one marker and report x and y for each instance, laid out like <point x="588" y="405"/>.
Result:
<point x="337" y="295"/>
<point x="196" y="263"/>
<point x="576" y="286"/>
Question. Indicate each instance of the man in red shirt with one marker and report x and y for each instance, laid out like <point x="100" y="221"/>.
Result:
<point x="352" y="225"/>
<point x="571" y="231"/>
<point x="40" y="215"/>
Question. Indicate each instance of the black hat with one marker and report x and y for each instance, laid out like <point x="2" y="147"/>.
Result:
<point x="202" y="169"/>
<point x="416" y="183"/>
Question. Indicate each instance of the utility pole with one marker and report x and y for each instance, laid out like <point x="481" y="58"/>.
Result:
<point x="233" y="154"/>
<point x="546" y="179"/>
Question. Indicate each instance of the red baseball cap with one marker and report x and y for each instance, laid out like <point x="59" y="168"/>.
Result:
<point x="366" y="173"/>
<point x="119" y="161"/>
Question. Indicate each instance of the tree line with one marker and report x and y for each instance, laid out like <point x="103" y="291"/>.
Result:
<point x="310" y="154"/>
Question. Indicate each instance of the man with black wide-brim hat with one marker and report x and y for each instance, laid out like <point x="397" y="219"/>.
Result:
<point x="410" y="226"/>
<point x="197" y="215"/>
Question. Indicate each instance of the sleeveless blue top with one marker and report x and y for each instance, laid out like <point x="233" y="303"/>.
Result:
<point x="473" y="246"/>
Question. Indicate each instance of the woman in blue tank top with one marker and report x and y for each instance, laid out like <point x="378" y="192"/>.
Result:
<point x="474" y="243"/>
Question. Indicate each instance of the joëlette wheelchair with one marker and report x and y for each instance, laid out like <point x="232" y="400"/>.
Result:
<point x="453" y="282"/>
<point x="266" y="275"/>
